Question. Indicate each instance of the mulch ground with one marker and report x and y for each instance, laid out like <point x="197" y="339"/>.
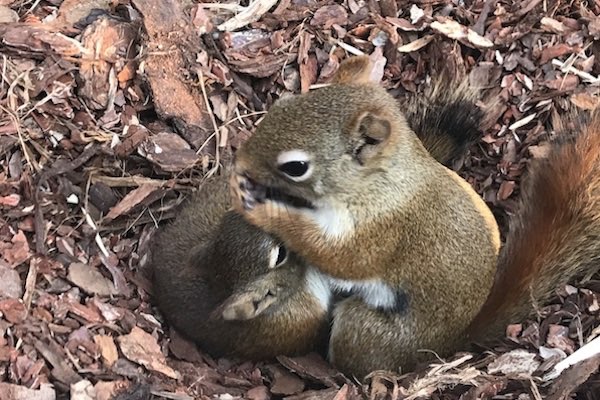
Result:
<point x="112" y="111"/>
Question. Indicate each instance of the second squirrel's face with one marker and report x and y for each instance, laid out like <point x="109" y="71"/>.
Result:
<point x="272" y="275"/>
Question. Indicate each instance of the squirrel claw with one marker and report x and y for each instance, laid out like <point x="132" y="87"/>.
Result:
<point x="247" y="191"/>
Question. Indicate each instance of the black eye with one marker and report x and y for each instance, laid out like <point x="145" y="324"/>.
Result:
<point x="281" y="256"/>
<point x="295" y="169"/>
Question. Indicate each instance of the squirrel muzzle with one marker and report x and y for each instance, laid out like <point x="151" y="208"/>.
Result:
<point x="247" y="193"/>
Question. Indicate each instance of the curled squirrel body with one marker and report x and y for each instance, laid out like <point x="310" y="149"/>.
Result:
<point x="342" y="179"/>
<point x="231" y="288"/>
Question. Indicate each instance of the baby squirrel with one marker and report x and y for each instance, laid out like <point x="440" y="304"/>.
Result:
<point x="211" y="261"/>
<point x="342" y="179"/>
<point x="234" y="289"/>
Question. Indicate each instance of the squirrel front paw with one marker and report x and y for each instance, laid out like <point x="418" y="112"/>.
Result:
<point x="246" y="193"/>
<point x="250" y="199"/>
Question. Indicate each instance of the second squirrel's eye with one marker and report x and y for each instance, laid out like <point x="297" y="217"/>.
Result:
<point x="295" y="164"/>
<point x="279" y="255"/>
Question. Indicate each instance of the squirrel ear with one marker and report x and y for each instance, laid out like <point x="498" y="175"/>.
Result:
<point x="356" y="69"/>
<point x="246" y="305"/>
<point x="372" y="133"/>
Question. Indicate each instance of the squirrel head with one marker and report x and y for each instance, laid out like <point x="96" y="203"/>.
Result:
<point x="264" y="274"/>
<point x="323" y="146"/>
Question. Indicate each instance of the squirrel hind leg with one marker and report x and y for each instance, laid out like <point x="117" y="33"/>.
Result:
<point x="364" y="339"/>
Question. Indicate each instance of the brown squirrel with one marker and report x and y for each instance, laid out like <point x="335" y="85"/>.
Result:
<point x="234" y="289"/>
<point x="211" y="261"/>
<point x="342" y="179"/>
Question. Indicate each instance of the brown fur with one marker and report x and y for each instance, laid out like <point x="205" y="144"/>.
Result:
<point x="554" y="236"/>
<point x="400" y="217"/>
<point x="180" y="281"/>
<point x="445" y="117"/>
<point x="210" y="260"/>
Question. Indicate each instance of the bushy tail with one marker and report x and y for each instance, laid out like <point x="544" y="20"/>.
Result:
<point x="446" y="118"/>
<point x="555" y="235"/>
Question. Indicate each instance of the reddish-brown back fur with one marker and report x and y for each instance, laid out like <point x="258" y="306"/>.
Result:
<point x="554" y="236"/>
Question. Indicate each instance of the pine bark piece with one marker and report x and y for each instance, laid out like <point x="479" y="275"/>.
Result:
<point x="142" y="348"/>
<point x="109" y="45"/>
<point x="170" y="39"/>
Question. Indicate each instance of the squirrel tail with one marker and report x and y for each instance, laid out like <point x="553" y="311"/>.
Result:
<point x="446" y="117"/>
<point x="555" y="235"/>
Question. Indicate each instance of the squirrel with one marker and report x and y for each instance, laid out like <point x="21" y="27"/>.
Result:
<point x="341" y="178"/>
<point x="211" y="260"/>
<point x="232" y="288"/>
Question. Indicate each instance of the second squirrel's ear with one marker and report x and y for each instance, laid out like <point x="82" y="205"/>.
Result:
<point x="371" y="133"/>
<point x="356" y="69"/>
<point x="246" y="305"/>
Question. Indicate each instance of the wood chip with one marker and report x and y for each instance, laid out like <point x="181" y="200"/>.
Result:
<point x="19" y="252"/>
<point x="108" y="390"/>
<point x="552" y="25"/>
<point x="416" y="44"/>
<point x="12" y="200"/>
<point x="11" y="285"/>
<point x="90" y="279"/>
<point x="522" y="122"/>
<point x="326" y="16"/>
<point x="311" y="367"/>
<point x="108" y="349"/>
<point x="517" y="363"/>
<point x="83" y="390"/>
<point x="14" y="392"/>
<point x="165" y="23"/>
<point x="454" y="30"/>
<point x="71" y="12"/>
<point x="133" y="199"/>
<point x="55" y="355"/>
<point x="142" y="348"/>
<point x="572" y="378"/>
<point x="7" y="15"/>
<point x="13" y="310"/>
<point x="250" y="14"/>
<point x="285" y="383"/>
<point x="169" y="152"/>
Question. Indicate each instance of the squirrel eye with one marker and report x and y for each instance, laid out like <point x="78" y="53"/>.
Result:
<point x="295" y="164"/>
<point x="281" y="256"/>
<point x="295" y="169"/>
<point x="278" y="256"/>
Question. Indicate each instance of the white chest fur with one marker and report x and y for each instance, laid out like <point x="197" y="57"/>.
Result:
<point x="375" y="293"/>
<point x="334" y="222"/>
<point x="318" y="286"/>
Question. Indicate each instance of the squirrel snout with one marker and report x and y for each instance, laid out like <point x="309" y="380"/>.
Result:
<point x="247" y="191"/>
